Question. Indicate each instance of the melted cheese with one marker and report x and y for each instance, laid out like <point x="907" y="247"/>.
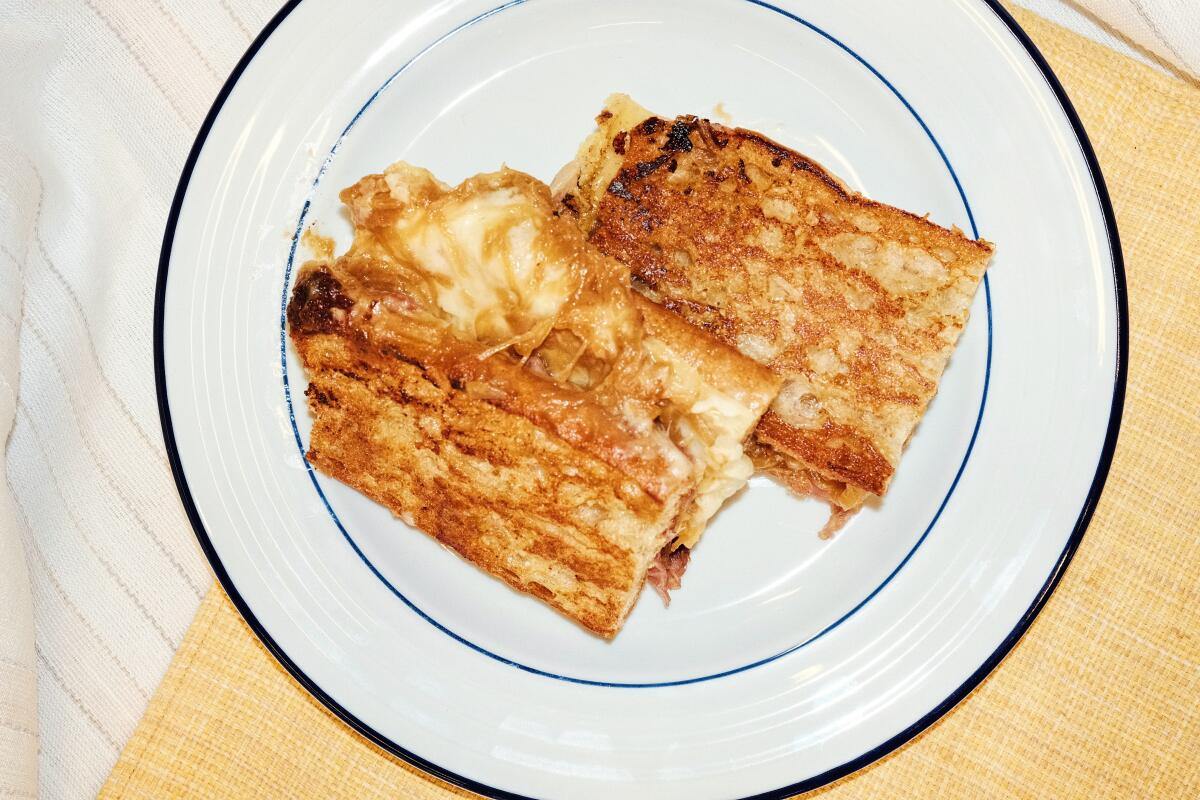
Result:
<point x="708" y="425"/>
<point x="487" y="270"/>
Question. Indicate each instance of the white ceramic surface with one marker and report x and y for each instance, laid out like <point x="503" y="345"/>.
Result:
<point x="785" y="660"/>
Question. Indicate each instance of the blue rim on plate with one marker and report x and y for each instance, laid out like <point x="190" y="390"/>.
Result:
<point x="312" y="474"/>
<point x="956" y="696"/>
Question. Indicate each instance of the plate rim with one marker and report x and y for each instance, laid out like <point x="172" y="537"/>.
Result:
<point x="959" y="694"/>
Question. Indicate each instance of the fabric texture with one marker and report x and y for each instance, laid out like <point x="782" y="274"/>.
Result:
<point x="1168" y="28"/>
<point x="100" y="575"/>
<point x="18" y="685"/>
<point x="1098" y="700"/>
<point x="1079" y="19"/>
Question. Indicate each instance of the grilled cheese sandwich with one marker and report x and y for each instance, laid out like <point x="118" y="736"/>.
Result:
<point x="480" y="369"/>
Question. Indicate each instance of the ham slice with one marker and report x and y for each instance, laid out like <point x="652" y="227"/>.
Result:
<point x="666" y="571"/>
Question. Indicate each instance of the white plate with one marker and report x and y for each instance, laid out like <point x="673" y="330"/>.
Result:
<point x="785" y="661"/>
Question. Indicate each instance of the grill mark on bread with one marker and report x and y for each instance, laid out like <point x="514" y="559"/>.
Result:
<point x="315" y="395"/>
<point x="679" y="140"/>
<point x="644" y="168"/>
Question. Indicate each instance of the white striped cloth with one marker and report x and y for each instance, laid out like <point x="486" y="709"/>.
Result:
<point x="99" y="573"/>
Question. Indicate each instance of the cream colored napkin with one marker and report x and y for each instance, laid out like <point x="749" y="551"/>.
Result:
<point x="18" y="724"/>
<point x="99" y="573"/>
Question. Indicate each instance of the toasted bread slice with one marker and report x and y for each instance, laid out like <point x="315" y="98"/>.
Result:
<point x="855" y="304"/>
<point x="480" y="370"/>
<point x="517" y="501"/>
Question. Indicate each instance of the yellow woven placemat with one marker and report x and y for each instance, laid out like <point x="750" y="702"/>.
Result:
<point x="1101" y="698"/>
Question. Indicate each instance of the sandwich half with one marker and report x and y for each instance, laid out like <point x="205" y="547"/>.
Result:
<point x="856" y="305"/>
<point x="481" y="370"/>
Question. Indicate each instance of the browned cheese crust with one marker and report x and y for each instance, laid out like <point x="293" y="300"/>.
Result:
<point x="855" y="304"/>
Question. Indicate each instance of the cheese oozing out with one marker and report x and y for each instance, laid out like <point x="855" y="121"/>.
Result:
<point x="710" y="426"/>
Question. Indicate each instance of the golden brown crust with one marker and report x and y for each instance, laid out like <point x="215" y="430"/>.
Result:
<point x="515" y="501"/>
<point x="856" y="304"/>
<point x="833" y="451"/>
